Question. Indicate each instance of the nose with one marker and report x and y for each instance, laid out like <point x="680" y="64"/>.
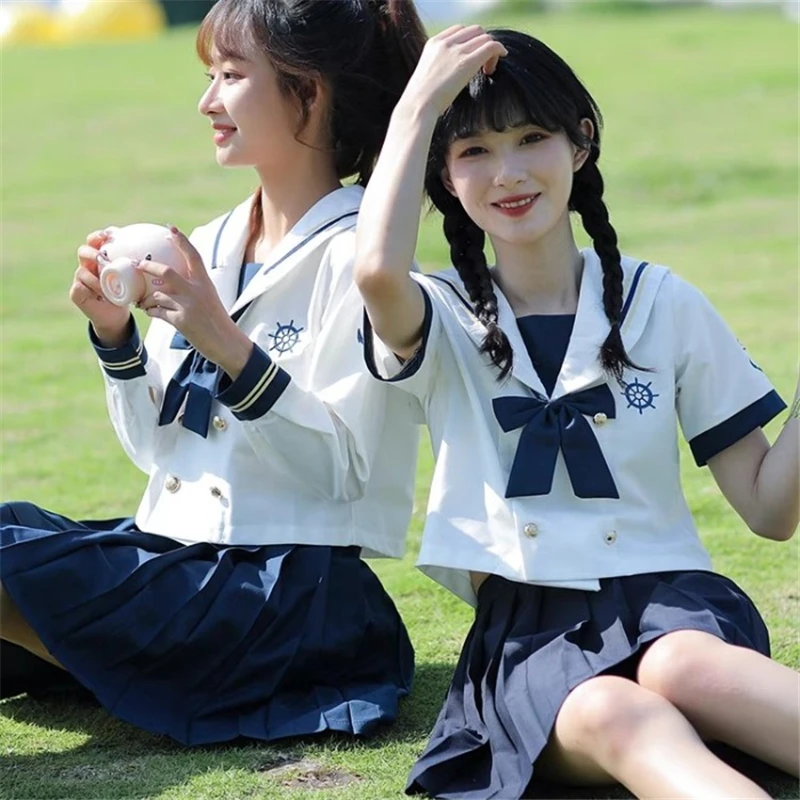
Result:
<point x="510" y="171"/>
<point x="209" y="102"/>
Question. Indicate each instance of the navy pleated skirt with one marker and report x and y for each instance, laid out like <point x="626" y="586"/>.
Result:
<point x="530" y="646"/>
<point x="204" y="642"/>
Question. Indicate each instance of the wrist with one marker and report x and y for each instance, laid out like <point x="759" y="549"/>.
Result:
<point x="416" y="112"/>
<point x="111" y="337"/>
<point x="236" y="354"/>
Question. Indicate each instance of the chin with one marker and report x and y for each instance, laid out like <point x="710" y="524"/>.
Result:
<point x="226" y="158"/>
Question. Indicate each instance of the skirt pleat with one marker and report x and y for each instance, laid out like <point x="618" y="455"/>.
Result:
<point x="529" y="646"/>
<point x="206" y="642"/>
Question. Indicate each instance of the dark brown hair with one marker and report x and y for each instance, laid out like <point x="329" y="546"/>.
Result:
<point x="363" y="50"/>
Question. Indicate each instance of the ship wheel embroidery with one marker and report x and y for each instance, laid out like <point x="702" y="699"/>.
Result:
<point x="639" y="395"/>
<point x="285" y="337"/>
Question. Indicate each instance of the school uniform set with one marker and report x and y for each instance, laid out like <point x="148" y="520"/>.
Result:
<point x="236" y="602"/>
<point x="564" y="485"/>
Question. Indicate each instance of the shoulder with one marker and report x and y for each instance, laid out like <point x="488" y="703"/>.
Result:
<point x="445" y="288"/>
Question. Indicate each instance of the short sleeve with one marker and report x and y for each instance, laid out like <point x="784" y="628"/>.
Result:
<point x="722" y="395"/>
<point x="414" y="375"/>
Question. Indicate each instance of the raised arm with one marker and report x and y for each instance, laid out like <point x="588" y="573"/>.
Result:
<point x="762" y="483"/>
<point x="389" y="218"/>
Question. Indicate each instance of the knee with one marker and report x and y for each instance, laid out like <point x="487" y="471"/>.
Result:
<point x="684" y="666"/>
<point x="606" y="713"/>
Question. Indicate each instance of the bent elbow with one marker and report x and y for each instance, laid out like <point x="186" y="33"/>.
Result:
<point x="374" y="279"/>
<point x="776" y="531"/>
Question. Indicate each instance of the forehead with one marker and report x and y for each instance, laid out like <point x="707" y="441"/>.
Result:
<point x="243" y="52"/>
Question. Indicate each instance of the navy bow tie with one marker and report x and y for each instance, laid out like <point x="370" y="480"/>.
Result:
<point x="195" y="381"/>
<point x="552" y="425"/>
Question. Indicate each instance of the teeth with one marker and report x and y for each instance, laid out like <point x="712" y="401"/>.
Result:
<point x="516" y="203"/>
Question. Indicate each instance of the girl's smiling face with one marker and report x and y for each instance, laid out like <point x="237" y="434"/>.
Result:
<point x="514" y="183"/>
<point x="254" y="123"/>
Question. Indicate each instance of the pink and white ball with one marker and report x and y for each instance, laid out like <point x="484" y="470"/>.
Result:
<point x="121" y="282"/>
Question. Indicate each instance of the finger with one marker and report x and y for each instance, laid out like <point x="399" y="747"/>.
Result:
<point x="483" y="55"/>
<point x="88" y="279"/>
<point x="87" y="258"/>
<point x="79" y="293"/>
<point x="158" y="299"/>
<point x="158" y="271"/>
<point x="466" y="34"/>
<point x="193" y="259"/>
<point x="491" y="65"/>
<point x="158" y="312"/>
<point x="97" y="239"/>
<point x="486" y="42"/>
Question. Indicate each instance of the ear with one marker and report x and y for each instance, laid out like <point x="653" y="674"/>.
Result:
<point x="448" y="184"/>
<point x="582" y="153"/>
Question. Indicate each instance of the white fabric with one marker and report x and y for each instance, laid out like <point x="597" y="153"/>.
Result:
<point x="322" y="466"/>
<point x="701" y="376"/>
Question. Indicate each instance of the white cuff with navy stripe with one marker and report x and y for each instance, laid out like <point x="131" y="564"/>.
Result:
<point x="257" y="388"/>
<point x="124" y="362"/>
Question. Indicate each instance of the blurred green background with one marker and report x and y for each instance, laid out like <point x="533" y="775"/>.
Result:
<point x="701" y="164"/>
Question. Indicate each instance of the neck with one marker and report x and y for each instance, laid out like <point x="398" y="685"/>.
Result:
<point x="543" y="277"/>
<point x="286" y="197"/>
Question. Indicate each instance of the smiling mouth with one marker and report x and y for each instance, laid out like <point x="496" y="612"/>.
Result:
<point x="521" y="203"/>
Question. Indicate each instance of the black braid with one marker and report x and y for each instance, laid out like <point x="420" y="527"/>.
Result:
<point x="466" y="241"/>
<point x="587" y="200"/>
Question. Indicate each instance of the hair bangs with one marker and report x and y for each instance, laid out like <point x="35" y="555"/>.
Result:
<point x="499" y="102"/>
<point x="225" y="32"/>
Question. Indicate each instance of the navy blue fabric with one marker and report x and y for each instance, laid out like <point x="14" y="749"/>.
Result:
<point x="530" y="646"/>
<point x="256" y="389"/>
<point x="546" y="338"/>
<point x="246" y="274"/>
<point x="713" y="441"/>
<point x="632" y="292"/>
<point x="126" y="361"/>
<point x="552" y="425"/>
<point x="411" y="367"/>
<point x="203" y="642"/>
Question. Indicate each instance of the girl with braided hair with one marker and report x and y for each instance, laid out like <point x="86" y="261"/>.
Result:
<point x="604" y="647"/>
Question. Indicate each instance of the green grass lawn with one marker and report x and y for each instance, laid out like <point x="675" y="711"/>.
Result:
<point x="701" y="167"/>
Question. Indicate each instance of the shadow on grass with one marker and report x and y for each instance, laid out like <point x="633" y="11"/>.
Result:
<point x="119" y="761"/>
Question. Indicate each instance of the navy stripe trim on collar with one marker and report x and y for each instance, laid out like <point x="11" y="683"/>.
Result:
<point x="215" y="251"/>
<point x="307" y="239"/>
<point x="455" y="290"/>
<point x="634" y="284"/>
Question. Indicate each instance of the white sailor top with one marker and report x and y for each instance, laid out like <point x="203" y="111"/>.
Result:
<point x="567" y="488"/>
<point x="296" y="449"/>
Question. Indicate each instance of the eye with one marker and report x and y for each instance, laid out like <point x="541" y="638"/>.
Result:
<point x="148" y="257"/>
<point x="533" y="138"/>
<point x="472" y="151"/>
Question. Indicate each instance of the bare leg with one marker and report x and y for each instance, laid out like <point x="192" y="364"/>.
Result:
<point x="729" y="693"/>
<point x="610" y="728"/>
<point x="14" y="628"/>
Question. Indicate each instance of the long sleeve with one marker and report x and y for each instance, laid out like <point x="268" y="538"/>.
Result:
<point x="322" y="425"/>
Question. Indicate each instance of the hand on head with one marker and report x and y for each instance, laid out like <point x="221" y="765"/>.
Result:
<point x="449" y="61"/>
